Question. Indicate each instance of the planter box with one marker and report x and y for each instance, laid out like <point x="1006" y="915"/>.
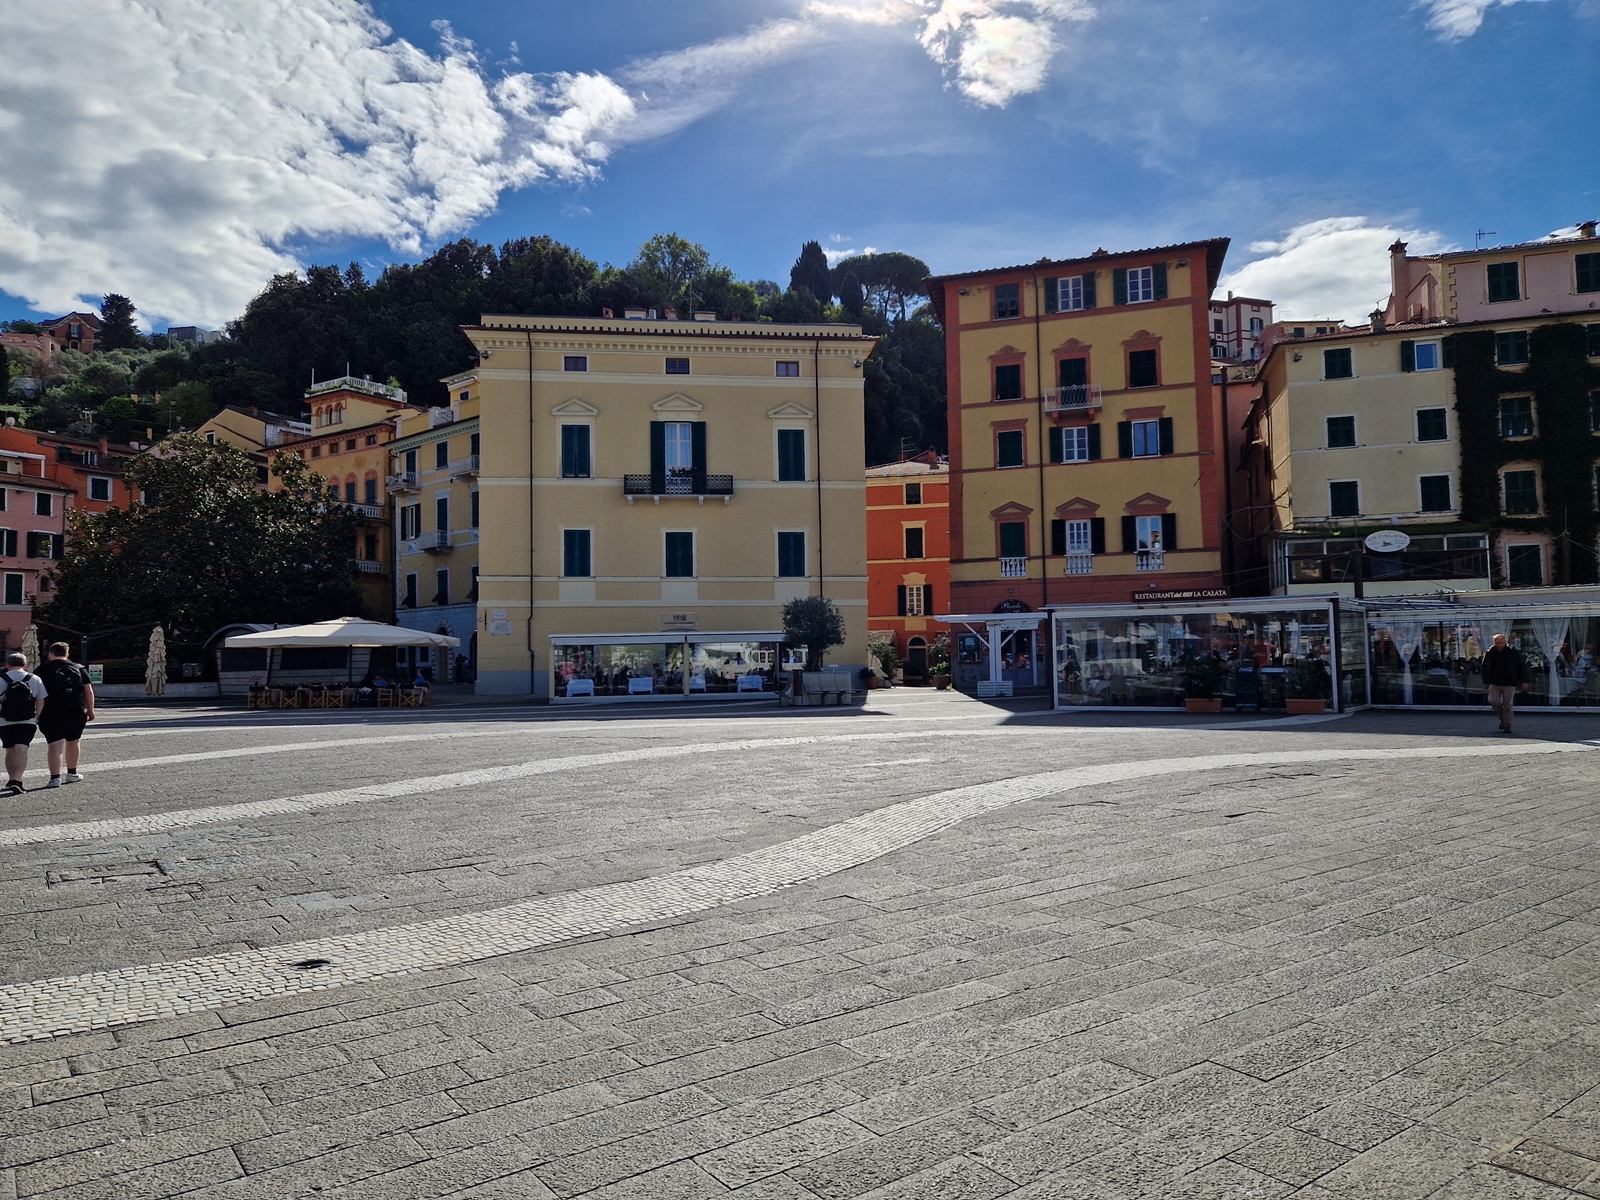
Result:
<point x="1306" y="708"/>
<point x="1202" y="706"/>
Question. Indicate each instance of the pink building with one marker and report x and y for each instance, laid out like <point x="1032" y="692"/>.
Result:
<point x="1497" y="283"/>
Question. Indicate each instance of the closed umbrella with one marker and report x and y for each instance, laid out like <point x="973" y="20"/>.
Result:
<point x="30" y="646"/>
<point x="155" y="664"/>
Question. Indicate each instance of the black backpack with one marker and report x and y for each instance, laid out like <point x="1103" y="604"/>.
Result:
<point x="16" y="705"/>
<point x="64" y="680"/>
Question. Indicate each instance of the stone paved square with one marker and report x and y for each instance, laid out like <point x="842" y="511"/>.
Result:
<point x="933" y="948"/>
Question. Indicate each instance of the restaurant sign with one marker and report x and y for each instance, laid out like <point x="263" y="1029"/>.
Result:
<point x="1220" y="593"/>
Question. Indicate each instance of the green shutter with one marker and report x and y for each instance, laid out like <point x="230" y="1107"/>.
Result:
<point x="1130" y="534"/>
<point x="1159" y="276"/>
<point x="1447" y="351"/>
<point x="1058" y="538"/>
<point x="1094" y="442"/>
<point x="1088" y="289"/>
<point x="1056" y="451"/>
<point x="1119" y="285"/>
<point x="1097" y="535"/>
<point x="658" y="457"/>
<point x="1169" y="532"/>
<point x="1164" y="431"/>
<point x="1124" y="439"/>
<point x="1050" y="295"/>
<point x="1408" y="356"/>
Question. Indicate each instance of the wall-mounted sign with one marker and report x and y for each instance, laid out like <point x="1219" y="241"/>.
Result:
<point x="680" y="620"/>
<point x="1387" y="541"/>
<point x="1190" y="594"/>
<point x="499" y="628"/>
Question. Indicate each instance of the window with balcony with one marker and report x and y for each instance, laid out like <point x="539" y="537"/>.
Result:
<point x="1076" y="541"/>
<point x="679" y="554"/>
<point x="913" y="540"/>
<point x="441" y="514"/>
<point x="370" y="547"/>
<point x="1511" y="349"/>
<point x="791" y="555"/>
<point x="1344" y="498"/>
<point x="1504" y="282"/>
<point x="350" y="491"/>
<point x="791" y="455"/>
<point x="1008" y="448"/>
<point x="1521" y="489"/>
<point x="1525" y="565"/>
<point x="370" y="495"/>
<point x="1008" y="381"/>
<point x="1150" y="542"/>
<point x="410" y="460"/>
<point x="474" y="445"/>
<point x="1336" y="363"/>
<point x="575" y="563"/>
<point x="1341" y="432"/>
<point x="1432" y="425"/>
<point x="913" y="493"/>
<point x="1143" y="370"/>
<point x="1007" y="301"/>
<point x="1435" y="491"/>
<point x="575" y="362"/>
<point x="1516" y="416"/>
<point x="575" y="452"/>
<point x="1013" y="549"/>
<point x="677" y="366"/>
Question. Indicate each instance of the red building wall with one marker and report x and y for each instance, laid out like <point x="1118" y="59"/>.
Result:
<point x="889" y="569"/>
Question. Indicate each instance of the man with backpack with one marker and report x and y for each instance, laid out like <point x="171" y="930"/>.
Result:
<point x="22" y="697"/>
<point x="69" y="706"/>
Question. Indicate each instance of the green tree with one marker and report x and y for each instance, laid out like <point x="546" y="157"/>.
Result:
<point x="117" y="330"/>
<point x="208" y="546"/>
<point x="810" y="271"/>
<point x="814" y="622"/>
<point x="672" y="268"/>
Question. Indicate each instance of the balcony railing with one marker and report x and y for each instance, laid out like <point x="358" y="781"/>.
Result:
<point x="1013" y="568"/>
<point x="1408" y="566"/>
<point x="686" y="484"/>
<point x="1080" y="564"/>
<point x="368" y="566"/>
<point x="406" y="481"/>
<point x="464" y="467"/>
<point x="1077" y="397"/>
<point x="437" y="542"/>
<point x="1152" y="560"/>
<point x="367" y="510"/>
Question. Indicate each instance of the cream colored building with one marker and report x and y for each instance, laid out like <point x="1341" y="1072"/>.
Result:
<point x="656" y="489"/>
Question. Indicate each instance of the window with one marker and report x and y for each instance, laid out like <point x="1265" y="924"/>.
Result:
<point x="1008" y="451"/>
<point x="372" y="439"/>
<point x="371" y="547"/>
<point x="1344" y="498"/>
<point x="1069" y="293"/>
<point x="1516" y="416"/>
<point x="1594" y="340"/>
<point x="575" y="553"/>
<point x="679" y="445"/>
<point x="1525" y="566"/>
<point x="45" y="545"/>
<point x="1341" y="432"/>
<point x="1435" y="493"/>
<point x="1522" y="492"/>
<point x="441" y="586"/>
<point x="1216" y="325"/>
<point x="1013" y="539"/>
<point x="575" y="452"/>
<point x="1419" y="356"/>
<point x="411" y="462"/>
<point x="1432" y="425"/>
<point x="350" y="491"/>
<point x="1074" y="443"/>
<point x="1008" y="381"/>
<point x="788" y="370"/>
<point x="913" y="541"/>
<point x="912" y="605"/>
<point x="1141" y="285"/>
<point x="316" y="452"/>
<point x="1588" y="266"/>
<point x="211" y="439"/>
<point x="1255" y="326"/>
<point x="474" y="502"/>
<point x="99" y="488"/>
<point x="1007" y="301"/>
<point x="350" y="445"/>
<point x="1077" y="537"/>
<point x="791" y="555"/>
<point x="410" y="600"/>
<point x="1148" y="532"/>
<point x="411" y="521"/>
<point x="1142" y="371"/>
<point x="1336" y="364"/>
<point x="2" y="499"/>
<point x="44" y="504"/>
<point x="1511" y="348"/>
<point x="441" y="514"/>
<point x="1072" y="372"/>
<point x="1594" y="423"/>
<point x="791" y="455"/>
<point x="371" y="492"/>
<point x="679" y="555"/>
<point x="1150" y="438"/>
<point x="13" y="587"/>
<point x="914" y="490"/>
<point x="8" y="543"/>
<point x="575" y="362"/>
<point x="1503" y="282"/>
<point x="677" y="366"/>
<point x="441" y="455"/>
<point x="473" y="445"/>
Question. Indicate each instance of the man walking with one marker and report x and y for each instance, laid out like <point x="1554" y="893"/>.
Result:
<point x="1504" y="674"/>
<point x="21" y="701"/>
<point x="68" y="707"/>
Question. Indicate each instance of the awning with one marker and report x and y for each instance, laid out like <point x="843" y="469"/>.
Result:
<point x="700" y="636"/>
<point x="996" y="621"/>
<point x="346" y="631"/>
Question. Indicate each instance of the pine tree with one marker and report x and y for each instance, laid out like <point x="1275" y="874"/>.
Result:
<point x="117" y="330"/>
<point x="810" y="271"/>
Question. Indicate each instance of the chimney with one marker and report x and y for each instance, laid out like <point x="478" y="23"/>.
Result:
<point x="1586" y="229"/>
<point x="1378" y="325"/>
<point x="1399" y="280"/>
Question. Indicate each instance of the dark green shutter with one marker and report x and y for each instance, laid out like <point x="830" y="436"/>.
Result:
<point x="927" y="599"/>
<point x="1447" y="351"/>
<point x="1088" y="289"/>
<point x="900" y="598"/>
<point x="1408" y="356"/>
<point x="658" y="457"/>
<point x="58" y="545"/>
<point x="1130" y="534"/>
<point x="1050" y="295"/>
<point x="1169" y="531"/>
<point x="697" y="450"/>
<point x="1166" y="435"/>
<point x="1056" y="451"/>
<point x="1159" y="277"/>
<point x="1124" y="439"/>
<point x="1119" y="285"/>
<point x="1094" y="442"/>
<point x="1058" y="538"/>
<point x="1097" y="535"/>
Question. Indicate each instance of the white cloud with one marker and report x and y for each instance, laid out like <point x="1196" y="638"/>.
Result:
<point x="998" y="50"/>
<point x="1453" y="20"/>
<point x="258" y="126"/>
<point x="1337" y="267"/>
<point x="835" y="257"/>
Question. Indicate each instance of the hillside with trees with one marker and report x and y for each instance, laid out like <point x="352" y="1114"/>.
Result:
<point x="402" y="327"/>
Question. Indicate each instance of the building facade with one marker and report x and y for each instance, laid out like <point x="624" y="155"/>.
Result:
<point x="75" y="331"/>
<point x="36" y="493"/>
<point x="656" y="490"/>
<point x="252" y="430"/>
<point x="908" y="557"/>
<point x="1238" y="325"/>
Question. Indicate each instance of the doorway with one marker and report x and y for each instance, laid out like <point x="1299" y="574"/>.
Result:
<point x="1017" y="659"/>
<point x="916" y="660"/>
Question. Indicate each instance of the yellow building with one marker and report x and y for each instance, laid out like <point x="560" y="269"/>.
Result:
<point x="252" y="429"/>
<point x="661" y="488"/>
<point x="433" y="476"/>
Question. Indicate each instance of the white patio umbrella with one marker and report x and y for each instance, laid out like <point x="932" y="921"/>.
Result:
<point x="352" y="632"/>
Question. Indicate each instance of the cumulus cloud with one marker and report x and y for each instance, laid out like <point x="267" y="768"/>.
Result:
<point x="1453" y="20"/>
<point x="179" y="150"/>
<point x="998" y="50"/>
<point x="1337" y="267"/>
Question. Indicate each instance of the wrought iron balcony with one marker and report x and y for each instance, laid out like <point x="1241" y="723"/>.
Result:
<point x="437" y="542"/>
<point x="686" y="483"/>
<point x="405" y="481"/>
<point x="1013" y="568"/>
<point x="1077" y="397"/>
<point x="464" y="468"/>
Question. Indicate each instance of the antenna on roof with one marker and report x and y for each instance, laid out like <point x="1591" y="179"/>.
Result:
<point x="1483" y="233"/>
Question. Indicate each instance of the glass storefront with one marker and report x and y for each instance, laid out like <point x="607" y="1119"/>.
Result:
<point x="1252" y="659"/>
<point x="1435" y="659"/>
<point x="637" y="668"/>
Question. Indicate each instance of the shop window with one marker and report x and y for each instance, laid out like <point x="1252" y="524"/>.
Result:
<point x="1008" y="448"/>
<point x="1336" y="364"/>
<point x="791" y="555"/>
<point x="913" y="540"/>
<point x="913" y="493"/>
<point x="1008" y="381"/>
<point x="1007" y="301"/>
<point x="679" y="555"/>
<point x="1511" y="349"/>
<point x="1432" y="425"/>
<point x="1504" y="282"/>
<point x="1344" y="498"/>
<point x="1435" y="493"/>
<point x="1525" y="566"/>
<point x="1521" y="492"/>
<point x="1341" y="432"/>
<point x="792" y="455"/>
<point x="1516" y="416"/>
<point x="575" y="562"/>
<point x="575" y="452"/>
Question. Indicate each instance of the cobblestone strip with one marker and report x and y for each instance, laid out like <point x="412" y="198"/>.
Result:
<point x="81" y="831"/>
<point x="81" y="1003"/>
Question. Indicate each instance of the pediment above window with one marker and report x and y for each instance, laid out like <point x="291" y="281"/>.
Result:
<point x="790" y="411"/>
<point x="678" y="402"/>
<point x="1011" y="509"/>
<point x="1077" y="507"/>
<point x="575" y="408"/>
<point x="1148" y="505"/>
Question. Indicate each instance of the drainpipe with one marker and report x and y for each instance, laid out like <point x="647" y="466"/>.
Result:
<point x="1044" y="516"/>
<point x="533" y="675"/>
<point x="816" y="392"/>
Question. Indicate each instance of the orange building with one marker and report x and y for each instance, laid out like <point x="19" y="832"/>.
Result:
<point x="908" y="557"/>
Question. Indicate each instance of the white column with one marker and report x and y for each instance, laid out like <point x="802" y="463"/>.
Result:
<point x="994" y="653"/>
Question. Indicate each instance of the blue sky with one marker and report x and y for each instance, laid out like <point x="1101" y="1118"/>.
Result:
<point x="972" y="133"/>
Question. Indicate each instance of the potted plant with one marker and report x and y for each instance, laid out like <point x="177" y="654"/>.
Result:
<point x="888" y="660"/>
<point x="1203" y="675"/>
<point x="1309" y="688"/>
<point x="869" y="678"/>
<point x="939" y="661"/>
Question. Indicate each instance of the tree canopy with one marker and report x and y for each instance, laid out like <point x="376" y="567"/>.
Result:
<point x="814" y="622"/>
<point x="117" y="330"/>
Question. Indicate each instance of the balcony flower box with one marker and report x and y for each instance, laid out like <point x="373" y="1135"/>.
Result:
<point x="1198" y="704"/>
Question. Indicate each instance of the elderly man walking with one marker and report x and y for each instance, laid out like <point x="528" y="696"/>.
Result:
<point x="1504" y="674"/>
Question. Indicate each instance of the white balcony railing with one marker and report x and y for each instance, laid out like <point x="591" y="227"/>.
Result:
<point x="1152" y="560"/>
<point x="1013" y="568"/>
<point x="1080" y="564"/>
<point x="368" y="566"/>
<point x="465" y="466"/>
<point x="1077" y="397"/>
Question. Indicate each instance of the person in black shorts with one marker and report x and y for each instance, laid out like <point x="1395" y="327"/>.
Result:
<point x="21" y="700"/>
<point x="69" y="705"/>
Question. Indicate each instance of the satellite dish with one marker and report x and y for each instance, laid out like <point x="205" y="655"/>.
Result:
<point x="1387" y="541"/>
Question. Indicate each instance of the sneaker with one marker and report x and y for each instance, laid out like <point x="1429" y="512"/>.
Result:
<point x="55" y="782"/>
<point x="15" y="788"/>
<point x="72" y="777"/>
